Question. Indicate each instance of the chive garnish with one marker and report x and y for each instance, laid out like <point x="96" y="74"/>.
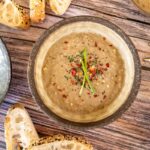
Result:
<point x="66" y="77"/>
<point x="85" y="71"/>
<point x="70" y="58"/>
<point x="87" y="77"/>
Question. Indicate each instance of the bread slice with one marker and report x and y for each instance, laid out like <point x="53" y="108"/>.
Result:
<point x="37" y="10"/>
<point x="61" y="142"/>
<point x="59" y="6"/>
<point x="13" y="15"/>
<point x="19" y="129"/>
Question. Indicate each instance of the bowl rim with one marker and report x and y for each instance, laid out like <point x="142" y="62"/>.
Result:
<point x="132" y="94"/>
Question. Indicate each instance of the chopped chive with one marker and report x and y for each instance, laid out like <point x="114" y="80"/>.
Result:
<point x="82" y="86"/>
<point x="70" y="58"/>
<point x="67" y="78"/>
<point x="87" y="77"/>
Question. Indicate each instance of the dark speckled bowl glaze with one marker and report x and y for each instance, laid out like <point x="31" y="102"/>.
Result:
<point x="132" y="94"/>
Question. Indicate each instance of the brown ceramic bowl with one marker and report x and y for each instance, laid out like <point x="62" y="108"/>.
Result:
<point x="112" y="33"/>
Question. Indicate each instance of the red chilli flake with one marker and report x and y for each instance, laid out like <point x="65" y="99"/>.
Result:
<point x="64" y="96"/>
<point x="101" y="70"/>
<point x="88" y="93"/>
<point x="72" y="65"/>
<point x="103" y="92"/>
<point x="90" y="57"/>
<point x="66" y="42"/>
<point x="92" y="69"/>
<point x="60" y="90"/>
<point x="78" y="65"/>
<point x="66" y="70"/>
<point x="99" y="48"/>
<point x="104" y="96"/>
<point x="95" y="95"/>
<point x="107" y="65"/>
<point x="73" y="82"/>
<point x="73" y="72"/>
<point x="95" y="44"/>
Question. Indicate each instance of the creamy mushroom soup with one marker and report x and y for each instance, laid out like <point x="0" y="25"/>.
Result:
<point x="83" y="73"/>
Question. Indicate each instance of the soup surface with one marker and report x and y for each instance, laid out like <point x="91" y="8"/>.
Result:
<point x="143" y="4"/>
<point x="83" y="73"/>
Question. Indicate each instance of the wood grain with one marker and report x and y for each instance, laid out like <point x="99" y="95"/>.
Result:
<point x="132" y="130"/>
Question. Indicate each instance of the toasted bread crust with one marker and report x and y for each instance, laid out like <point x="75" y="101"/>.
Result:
<point x="37" y="10"/>
<point x="59" y="7"/>
<point x="19" y="129"/>
<point x="60" y="137"/>
<point x="13" y="15"/>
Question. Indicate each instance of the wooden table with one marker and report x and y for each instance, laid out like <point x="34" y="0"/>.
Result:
<point x="132" y="130"/>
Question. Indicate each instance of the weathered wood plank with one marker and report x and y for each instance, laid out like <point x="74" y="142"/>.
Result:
<point x="122" y="9"/>
<point x="23" y="48"/>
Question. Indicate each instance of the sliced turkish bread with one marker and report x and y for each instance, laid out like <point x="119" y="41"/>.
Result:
<point x="61" y="142"/>
<point x="37" y="10"/>
<point x="13" y="15"/>
<point x="59" y="6"/>
<point x="19" y="129"/>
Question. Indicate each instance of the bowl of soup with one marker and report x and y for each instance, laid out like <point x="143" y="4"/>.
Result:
<point x="84" y="71"/>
